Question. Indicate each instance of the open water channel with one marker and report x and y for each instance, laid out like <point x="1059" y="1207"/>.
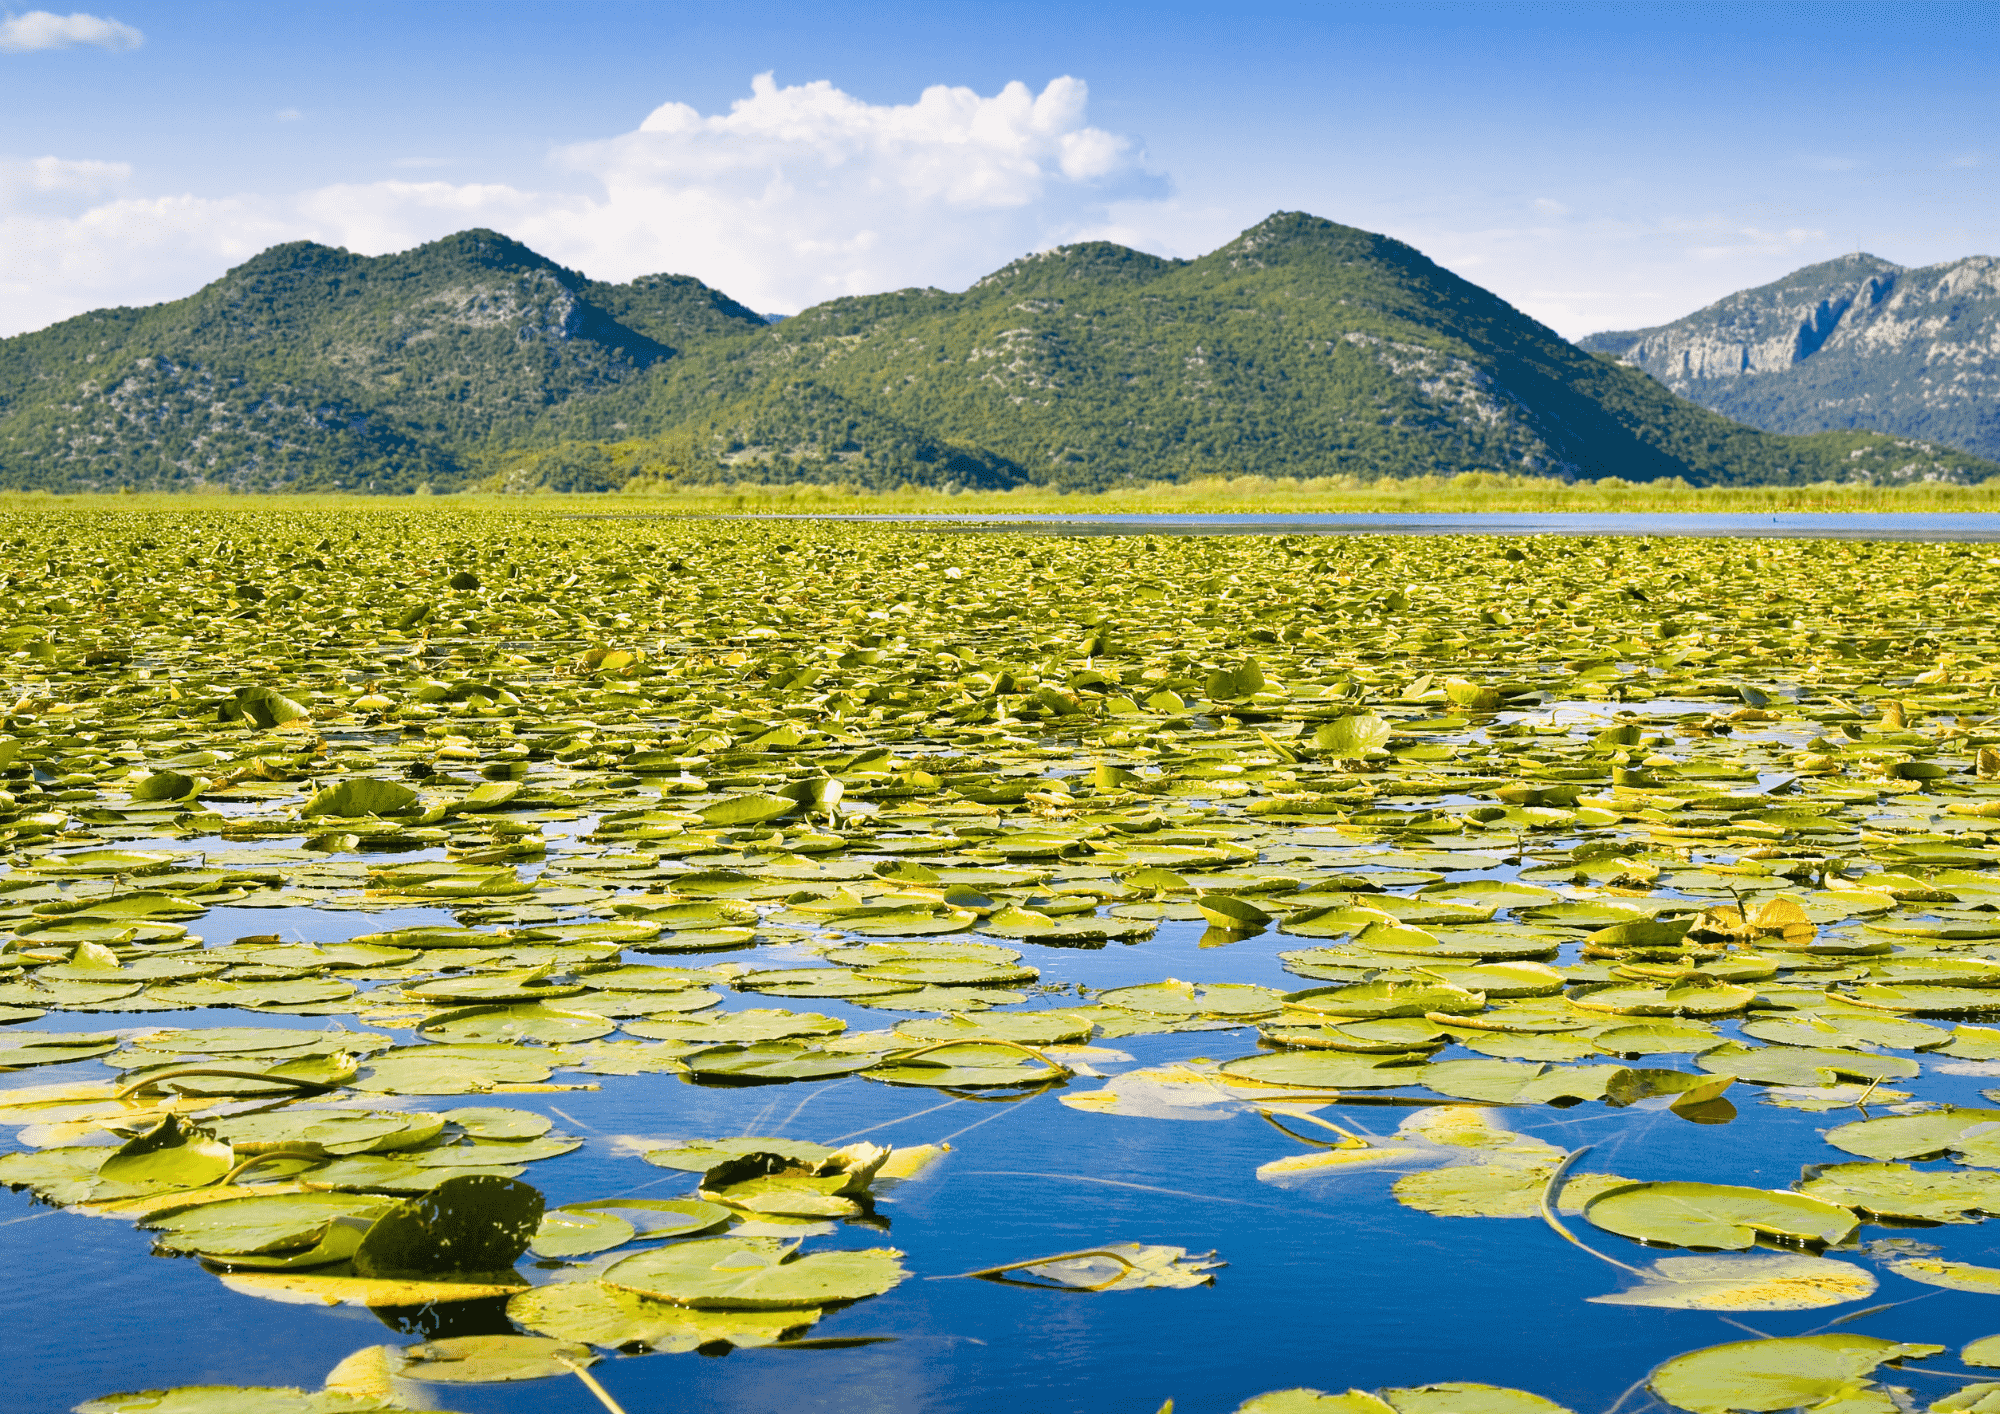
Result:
<point x="1786" y="525"/>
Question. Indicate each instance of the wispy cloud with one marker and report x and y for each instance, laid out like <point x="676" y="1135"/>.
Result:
<point x="288" y="115"/>
<point x="43" y="29"/>
<point x="56" y="185"/>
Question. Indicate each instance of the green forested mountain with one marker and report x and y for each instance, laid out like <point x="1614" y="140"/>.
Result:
<point x="1856" y="342"/>
<point x="1301" y="348"/>
<point x="309" y="368"/>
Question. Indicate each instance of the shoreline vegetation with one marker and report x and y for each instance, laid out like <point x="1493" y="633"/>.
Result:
<point x="1468" y="492"/>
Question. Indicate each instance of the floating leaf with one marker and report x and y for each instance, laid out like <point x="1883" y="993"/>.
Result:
<point x="485" y="1359"/>
<point x="1716" y="1215"/>
<point x="473" y="1224"/>
<point x="1758" y="1375"/>
<point x="592" y="1313"/>
<point x="1760" y="1282"/>
<point x="755" y="1274"/>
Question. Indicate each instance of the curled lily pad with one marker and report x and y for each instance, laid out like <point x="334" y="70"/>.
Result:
<point x="1123" y="1266"/>
<point x="172" y="1154"/>
<point x="831" y="1186"/>
<point x="464" y="1225"/>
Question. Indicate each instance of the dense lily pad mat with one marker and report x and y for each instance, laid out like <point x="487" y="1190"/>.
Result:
<point x="355" y="870"/>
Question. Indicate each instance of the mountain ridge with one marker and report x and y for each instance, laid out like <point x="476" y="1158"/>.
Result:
<point x="1853" y="343"/>
<point x="1301" y="347"/>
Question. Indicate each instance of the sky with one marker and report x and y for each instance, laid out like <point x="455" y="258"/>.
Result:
<point x="1602" y="165"/>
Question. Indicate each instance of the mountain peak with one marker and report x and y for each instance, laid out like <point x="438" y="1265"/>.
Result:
<point x="1288" y="237"/>
<point x="1084" y="263"/>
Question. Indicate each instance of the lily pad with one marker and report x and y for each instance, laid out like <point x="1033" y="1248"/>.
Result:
<point x="755" y="1274"/>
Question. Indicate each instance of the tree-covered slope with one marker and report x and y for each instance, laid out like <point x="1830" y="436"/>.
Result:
<point x="1301" y="348"/>
<point x="312" y="368"/>
<point x="1853" y="343"/>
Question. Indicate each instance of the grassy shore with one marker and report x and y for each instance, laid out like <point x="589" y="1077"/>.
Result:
<point x="1472" y="492"/>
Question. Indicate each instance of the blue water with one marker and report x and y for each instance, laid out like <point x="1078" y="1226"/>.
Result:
<point x="1329" y="1287"/>
<point x="1784" y="525"/>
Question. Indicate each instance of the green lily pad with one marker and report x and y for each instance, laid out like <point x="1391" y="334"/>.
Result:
<point x="1716" y="1215"/>
<point x="755" y="1274"/>
<point x="1788" y="1373"/>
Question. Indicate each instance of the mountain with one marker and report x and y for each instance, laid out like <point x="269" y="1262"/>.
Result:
<point x="308" y="368"/>
<point x="1856" y="342"/>
<point x="1301" y="348"/>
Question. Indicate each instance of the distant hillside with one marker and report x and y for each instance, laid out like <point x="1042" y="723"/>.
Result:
<point x="308" y="368"/>
<point x="1301" y="348"/>
<point x="1854" y="343"/>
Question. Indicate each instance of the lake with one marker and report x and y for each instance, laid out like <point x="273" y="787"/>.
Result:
<point x="1807" y="525"/>
<point x="1551" y="839"/>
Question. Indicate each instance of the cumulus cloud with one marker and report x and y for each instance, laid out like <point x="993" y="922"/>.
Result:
<point x="44" y="29"/>
<point x="797" y="194"/>
<point x="802" y="193"/>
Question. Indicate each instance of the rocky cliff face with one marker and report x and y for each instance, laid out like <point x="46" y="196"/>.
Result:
<point x="1852" y="343"/>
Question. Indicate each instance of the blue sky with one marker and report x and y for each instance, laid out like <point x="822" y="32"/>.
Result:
<point x="1600" y="165"/>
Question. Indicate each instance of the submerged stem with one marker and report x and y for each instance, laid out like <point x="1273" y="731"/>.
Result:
<point x="1349" y="1138"/>
<point x="151" y="1081"/>
<point x="590" y="1383"/>
<point x="1552" y="1190"/>
<point x="1000" y="1271"/>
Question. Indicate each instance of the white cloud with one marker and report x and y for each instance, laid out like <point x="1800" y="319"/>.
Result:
<point x="801" y="193"/>
<point x="43" y="29"/>
<point x="288" y="115"/>
<point x="1544" y="206"/>
<point x="795" y="195"/>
